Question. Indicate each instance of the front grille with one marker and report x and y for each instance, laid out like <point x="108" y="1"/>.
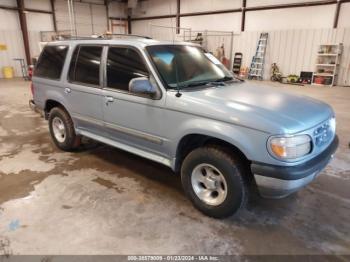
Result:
<point x="324" y="133"/>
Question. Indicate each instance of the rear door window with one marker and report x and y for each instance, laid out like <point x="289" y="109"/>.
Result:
<point x="85" y="65"/>
<point x="51" y="62"/>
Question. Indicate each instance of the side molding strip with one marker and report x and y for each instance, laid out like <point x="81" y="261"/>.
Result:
<point x="125" y="130"/>
<point x="128" y="148"/>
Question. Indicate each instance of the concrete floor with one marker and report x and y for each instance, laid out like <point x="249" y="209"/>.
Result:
<point x="101" y="200"/>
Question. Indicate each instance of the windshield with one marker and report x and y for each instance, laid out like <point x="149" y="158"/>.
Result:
<point x="187" y="66"/>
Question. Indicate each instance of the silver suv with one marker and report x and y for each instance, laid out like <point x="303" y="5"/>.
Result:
<point x="175" y="104"/>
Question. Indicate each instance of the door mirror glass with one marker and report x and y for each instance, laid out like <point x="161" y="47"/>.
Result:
<point x="142" y="85"/>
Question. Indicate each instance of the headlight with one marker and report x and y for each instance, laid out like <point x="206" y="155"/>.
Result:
<point x="291" y="147"/>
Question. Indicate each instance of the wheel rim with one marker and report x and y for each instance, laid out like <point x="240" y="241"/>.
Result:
<point x="59" y="129"/>
<point x="209" y="184"/>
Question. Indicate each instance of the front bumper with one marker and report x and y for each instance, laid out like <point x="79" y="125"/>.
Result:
<point x="280" y="181"/>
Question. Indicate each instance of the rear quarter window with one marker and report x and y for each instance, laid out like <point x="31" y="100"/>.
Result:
<point x="51" y="62"/>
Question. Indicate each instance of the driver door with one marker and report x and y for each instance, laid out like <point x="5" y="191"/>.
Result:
<point x="134" y="121"/>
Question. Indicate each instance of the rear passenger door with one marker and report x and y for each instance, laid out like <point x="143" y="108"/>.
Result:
<point x="83" y="88"/>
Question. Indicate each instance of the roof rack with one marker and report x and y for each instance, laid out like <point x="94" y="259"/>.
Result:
<point x="99" y="37"/>
<point x="128" y="35"/>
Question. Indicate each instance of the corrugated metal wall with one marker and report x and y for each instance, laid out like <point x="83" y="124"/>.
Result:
<point x="15" y="49"/>
<point x="91" y="18"/>
<point x="11" y="36"/>
<point x="295" y="50"/>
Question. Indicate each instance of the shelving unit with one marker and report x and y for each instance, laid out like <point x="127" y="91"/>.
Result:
<point x="237" y="63"/>
<point x="327" y="64"/>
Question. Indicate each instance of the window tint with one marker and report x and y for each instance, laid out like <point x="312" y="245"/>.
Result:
<point x="184" y="66"/>
<point x="85" y="65"/>
<point x="51" y="62"/>
<point x="124" y="64"/>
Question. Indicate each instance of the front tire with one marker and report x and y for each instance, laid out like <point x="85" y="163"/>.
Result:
<point x="213" y="180"/>
<point x="62" y="130"/>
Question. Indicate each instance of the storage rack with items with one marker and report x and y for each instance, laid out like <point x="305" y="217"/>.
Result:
<point x="327" y="64"/>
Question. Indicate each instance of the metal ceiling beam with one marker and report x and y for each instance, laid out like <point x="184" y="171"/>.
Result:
<point x="152" y="17"/>
<point x="24" y="29"/>
<point x="8" y="7"/>
<point x="37" y="11"/>
<point x="178" y="16"/>
<point x="107" y="14"/>
<point x="129" y="25"/>
<point x="118" y="18"/>
<point x="244" y="5"/>
<point x="336" y="15"/>
<point x="212" y="12"/>
<point x="52" y="3"/>
<point x="246" y="9"/>
<point x="291" y="5"/>
<point x="25" y="9"/>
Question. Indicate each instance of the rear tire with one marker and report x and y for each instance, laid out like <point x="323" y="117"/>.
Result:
<point x="213" y="180"/>
<point x="62" y="130"/>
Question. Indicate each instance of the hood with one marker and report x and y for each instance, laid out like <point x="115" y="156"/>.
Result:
<point x="260" y="107"/>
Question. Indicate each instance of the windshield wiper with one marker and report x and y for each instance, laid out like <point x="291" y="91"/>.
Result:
<point x="224" y="79"/>
<point x="202" y="83"/>
<point x="193" y="84"/>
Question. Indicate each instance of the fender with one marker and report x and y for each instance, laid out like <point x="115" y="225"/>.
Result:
<point x="58" y="97"/>
<point x="248" y="141"/>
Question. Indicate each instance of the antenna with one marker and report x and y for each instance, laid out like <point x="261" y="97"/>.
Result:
<point x="178" y="94"/>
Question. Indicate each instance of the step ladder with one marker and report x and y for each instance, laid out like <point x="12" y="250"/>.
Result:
<point x="237" y="62"/>
<point x="24" y="68"/>
<point x="256" y="70"/>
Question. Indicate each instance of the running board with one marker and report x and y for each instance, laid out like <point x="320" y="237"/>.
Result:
<point x="130" y="149"/>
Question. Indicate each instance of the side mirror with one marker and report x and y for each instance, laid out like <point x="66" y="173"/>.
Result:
<point x="142" y="85"/>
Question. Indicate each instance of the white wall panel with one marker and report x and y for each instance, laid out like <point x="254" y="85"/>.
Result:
<point x="99" y="19"/>
<point x="34" y="39"/>
<point x="155" y="7"/>
<point x="62" y="17"/>
<point x="223" y="22"/>
<point x="146" y="28"/>
<point x="344" y="15"/>
<point x="39" y="22"/>
<point x="8" y="2"/>
<point x="83" y="19"/>
<point x="295" y="50"/>
<point x="117" y="9"/>
<point x="38" y="4"/>
<point x="189" y="6"/>
<point x="9" y="20"/>
<point x="291" y="18"/>
<point x="90" y="18"/>
<point x="15" y="49"/>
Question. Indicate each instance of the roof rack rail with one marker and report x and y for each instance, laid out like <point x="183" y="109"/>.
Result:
<point x="68" y="37"/>
<point x="98" y="37"/>
<point x="128" y="35"/>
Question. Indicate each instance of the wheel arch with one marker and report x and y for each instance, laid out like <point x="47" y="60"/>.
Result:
<point x="51" y="103"/>
<point x="191" y="141"/>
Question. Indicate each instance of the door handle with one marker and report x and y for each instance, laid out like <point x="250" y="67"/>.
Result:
<point x="109" y="99"/>
<point x="67" y="90"/>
